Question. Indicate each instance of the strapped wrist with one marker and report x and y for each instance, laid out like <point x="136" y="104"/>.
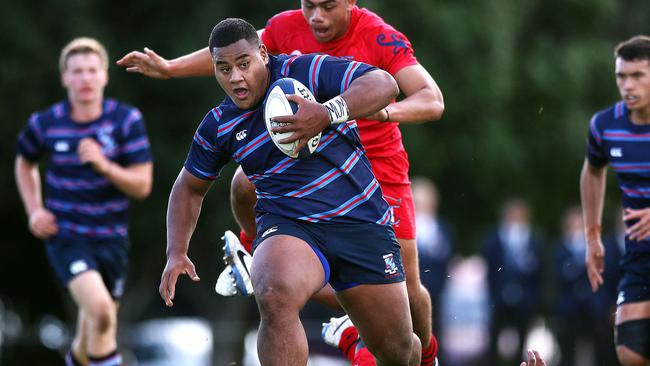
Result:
<point x="337" y="109"/>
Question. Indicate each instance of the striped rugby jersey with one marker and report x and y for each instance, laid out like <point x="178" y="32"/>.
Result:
<point x="625" y="146"/>
<point x="334" y="184"/>
<point x="84" y="202"/>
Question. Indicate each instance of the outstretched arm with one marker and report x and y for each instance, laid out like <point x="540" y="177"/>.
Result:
<point x="149" y="63"/>
<point x="183" y="212"/>
<point x="423" y="99"/>
<point x="592" y="195"/>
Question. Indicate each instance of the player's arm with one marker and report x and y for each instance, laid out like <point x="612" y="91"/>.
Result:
<point x="183" y="212"/>
<point x="149" y="63"/>
<point x="592" y="195"/>
<point x="42" y="222"/>
<point x="134" y="180"/>
<point x="423" y="99"/>
<point x="366" y="95"/>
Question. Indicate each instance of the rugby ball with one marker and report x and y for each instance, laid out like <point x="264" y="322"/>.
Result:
<point x="277" y="104"/>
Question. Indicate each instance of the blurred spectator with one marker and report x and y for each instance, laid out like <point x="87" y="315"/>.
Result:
<point x="434" y="240"/>
<point x="511" y="251"/>
<point x="582" y="315"/>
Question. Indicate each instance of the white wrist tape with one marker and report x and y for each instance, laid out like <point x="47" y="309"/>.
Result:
<point x="337" y="109"/>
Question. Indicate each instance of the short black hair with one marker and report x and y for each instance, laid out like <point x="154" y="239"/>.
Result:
<point x="231" y="30"/>
<point x="635" y="48"/>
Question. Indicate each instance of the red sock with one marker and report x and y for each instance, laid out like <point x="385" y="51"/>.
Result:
<point x="246" y="241"/>
<point x="429" y="353"/>
<point x="348" y="343"/>
<point x="363" y="357"/>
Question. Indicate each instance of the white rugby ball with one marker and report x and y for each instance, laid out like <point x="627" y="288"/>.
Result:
<point x="277" y="104"/>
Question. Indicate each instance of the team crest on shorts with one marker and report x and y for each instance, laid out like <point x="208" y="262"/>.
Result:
<point x="391" y="267"/>
<point x="78" y="266"/>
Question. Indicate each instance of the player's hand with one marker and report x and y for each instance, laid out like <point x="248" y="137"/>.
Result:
<point x="90" y="152"/>
<point x="381" y="116"/>
<point x="146" y="63"/>
<point x="595" y="263"/>
<point x="176" y="265"/>
<point x="534" y="359"/>
<point x="310" y="119"/>
<point x="641" y="229"/>
<point x="42" y="223"/>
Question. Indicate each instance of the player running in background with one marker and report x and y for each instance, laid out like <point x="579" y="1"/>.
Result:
<point x="340" y="28"/>
<point x="97" y="158"/>
<point x="619" y="136"/>
<point x="320" y="219"/>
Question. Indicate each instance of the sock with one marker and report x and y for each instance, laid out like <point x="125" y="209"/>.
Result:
<point x="246" y="241"/>
<point x="429" y="353"/>
<point x="348" y="343"/>
<point x="70" y="360"/>
<point x="363" y="357"/>
<point x="111" y="359"/>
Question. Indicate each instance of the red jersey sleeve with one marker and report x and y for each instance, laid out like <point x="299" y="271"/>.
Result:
<point x="392" y="49"/>
<point x="269" y="35"/>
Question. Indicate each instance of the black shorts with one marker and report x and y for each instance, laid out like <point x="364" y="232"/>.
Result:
<point x="351" y="254"/>
<point x="70" y="256"/>
<point x="634" y="285"/>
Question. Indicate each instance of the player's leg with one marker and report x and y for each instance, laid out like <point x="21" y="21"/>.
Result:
<point x="78" y="354"/>
<point x="242" y="203"/>
<point x="633" y="333"/>
<point x="100" y="312"/>
<point x="400" y="198"/>
<point x="286" y="272"/>
<point x="385" y="326"/>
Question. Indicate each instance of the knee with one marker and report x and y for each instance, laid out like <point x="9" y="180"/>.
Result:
<point x="102" y="318"/>
<point x="628" y="357"/>
<point x="273" y="301"/>
<point x="394" y="350"/>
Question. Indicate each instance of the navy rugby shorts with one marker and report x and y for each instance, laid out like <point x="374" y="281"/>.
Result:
<point x="351" y="254"/>
<point x="71" y="256"/>
<point x="634" y="284"/>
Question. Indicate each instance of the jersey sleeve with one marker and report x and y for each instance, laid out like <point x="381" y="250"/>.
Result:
<point x="392" y="50"/>
<point x="595" y="151"/>
<point x="205" y="158"/>
<point x="327" y="76"/>
<point x="31" y="142"/>
<point x="135" y="147"/>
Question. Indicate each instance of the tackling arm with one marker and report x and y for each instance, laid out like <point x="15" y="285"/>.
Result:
<point x="149" y="63"/>
<point x="423" y="101"/>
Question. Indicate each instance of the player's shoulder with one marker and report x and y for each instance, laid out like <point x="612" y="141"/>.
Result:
<point x="286" y="18"/>
<point x="369" y="21"/>
<point x="608" y="115"/>
<point x="51" y="114"/>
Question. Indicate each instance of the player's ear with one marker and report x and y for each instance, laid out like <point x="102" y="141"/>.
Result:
<point x="264" y="53"/>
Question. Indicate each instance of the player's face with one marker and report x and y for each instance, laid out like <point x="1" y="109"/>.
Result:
<point x="328" y="19"/>
<point x="240" y="69"/>
<point x="633" y="81"/>
<point x="85" y="77"/>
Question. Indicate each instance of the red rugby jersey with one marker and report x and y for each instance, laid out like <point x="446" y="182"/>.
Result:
<point x="368" y="39"/>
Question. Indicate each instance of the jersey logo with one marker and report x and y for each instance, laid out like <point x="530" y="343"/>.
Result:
<point x="270" y="230"/>
<point x="240" y="135"/>
<point x="616" y="152"/>
<point x="621" y="298"/>
<point x="397" y="42"/>
<point x="61" y="146"/>
<point x="105" y="138"/>
<point x="389" y="261"/>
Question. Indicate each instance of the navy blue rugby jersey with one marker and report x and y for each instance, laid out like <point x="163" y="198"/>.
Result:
<point x="334" y="184"/>
<point x="625" y="146"/>
<point x="85" y="202"/>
